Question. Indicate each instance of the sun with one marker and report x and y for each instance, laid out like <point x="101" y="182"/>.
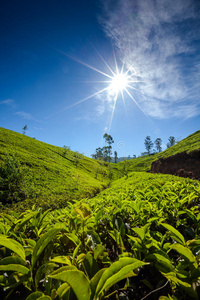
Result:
<point x="119" y="83"/>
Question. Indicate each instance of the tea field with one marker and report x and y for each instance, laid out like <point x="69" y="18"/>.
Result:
<point x="137" y="238"/>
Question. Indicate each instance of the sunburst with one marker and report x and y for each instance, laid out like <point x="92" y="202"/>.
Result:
<point x="118" y="82"/>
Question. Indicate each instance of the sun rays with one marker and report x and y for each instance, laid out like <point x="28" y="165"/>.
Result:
<point x="117" y="83"/>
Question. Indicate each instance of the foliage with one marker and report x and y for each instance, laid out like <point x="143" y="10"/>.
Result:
<point x="105" y="152"/>
<point x="158" y="143"/>
<point x="140" y="237"/>
<point x="14" y="181"/>
<point x="137" y="239"/>
<point x="148" y="144"/>
<point x="171" y="142"/>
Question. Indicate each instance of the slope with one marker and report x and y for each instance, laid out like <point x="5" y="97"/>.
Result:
<point x="53" y="175"/>
<point x="143" y="163"/>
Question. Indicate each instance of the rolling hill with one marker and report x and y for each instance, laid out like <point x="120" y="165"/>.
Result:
<point x="143" y="163"/>
<point x="93" y="230"/>
<point x="53" y="176"/>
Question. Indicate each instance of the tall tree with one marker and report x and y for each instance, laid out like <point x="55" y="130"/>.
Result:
<point x="115" y="154"/>
<point x="108" y="149"/>
<point x="158" y="143"/>
<point x="148" y="144"/>
<point x="171" y="142"/>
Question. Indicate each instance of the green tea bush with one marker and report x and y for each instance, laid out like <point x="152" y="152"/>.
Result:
<point x="14" y="181"/>
<point x="137" y="240"/>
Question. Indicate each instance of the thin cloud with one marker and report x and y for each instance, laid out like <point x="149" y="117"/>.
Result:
<point x="27" y="116"/>
<point x="9" y="102"/>
<point x="24" y="115"/>
<point x="160" y="39"/>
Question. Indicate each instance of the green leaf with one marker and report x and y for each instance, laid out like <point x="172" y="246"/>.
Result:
<point x="14" y="267"/>
<point x="72" y="237"/>
<point x="94" y="282"/>
<point x="98" y="251"/>
<point x="13" y="245"/>
<point x="34" y="296"/>
<point x="140" y="232"/>
<point x="65" y="268"/>
<point x="176" y="235"/>
<point x="13" y="260"/>
<point x="117" y="271"/>
<point x="77" y="281"/>
<point x="43" y="242"/>
<point x="183" y="251"/>
<point x="64" y="288"/>
<point x="61" y="260"/>
<point x="13" y="263"/>
<point x="162" y="263"/>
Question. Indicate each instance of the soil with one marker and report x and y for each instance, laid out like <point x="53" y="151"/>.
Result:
<point x="181" y="164"/>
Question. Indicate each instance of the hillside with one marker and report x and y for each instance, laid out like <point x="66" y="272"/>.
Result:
<point x="108" y="233"/>
<point x="143" y="163"/>
<point x="54" y="175"/>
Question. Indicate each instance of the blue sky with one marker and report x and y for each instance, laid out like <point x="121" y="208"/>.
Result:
<point x="44" y="84"/>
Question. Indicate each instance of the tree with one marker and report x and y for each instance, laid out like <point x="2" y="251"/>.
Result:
<point x="158" y="143"/>
<point x="108" y="149"/>
<point x="98" y="154"/>
<point x="148" y="144"/>
<point x="25" y="128"/>
<point x="171" y="142"/>
<point x="115" y="154"/>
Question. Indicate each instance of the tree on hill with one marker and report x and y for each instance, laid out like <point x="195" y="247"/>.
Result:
<point x="158" y="143"/>
<point x="108" y="149"/>
<point x="148" y="144"/>
<point x="115" y="156"/>
<point x="25" y="128"/>
<point x="171" y="142"/>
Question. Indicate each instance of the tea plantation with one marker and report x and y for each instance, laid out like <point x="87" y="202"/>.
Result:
<point x="75" y="228"/>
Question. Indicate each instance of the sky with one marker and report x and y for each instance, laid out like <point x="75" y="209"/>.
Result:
<point x="59" y="61"/>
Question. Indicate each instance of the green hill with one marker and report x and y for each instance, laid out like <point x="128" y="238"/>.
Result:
<point x="52" y="175"/>
<point x="143" y="163"/>
<point x="138" y="237"/>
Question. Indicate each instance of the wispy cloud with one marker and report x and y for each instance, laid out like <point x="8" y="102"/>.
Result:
<point x="161" y="40"/>
<point x="24" y="115"/>
<point x="9" y="102"/>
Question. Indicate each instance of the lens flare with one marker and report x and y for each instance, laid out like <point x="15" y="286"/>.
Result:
<point x="118" y="82"/>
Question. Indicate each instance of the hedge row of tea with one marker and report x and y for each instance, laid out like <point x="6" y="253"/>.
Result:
<point x="137" y="240"/>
